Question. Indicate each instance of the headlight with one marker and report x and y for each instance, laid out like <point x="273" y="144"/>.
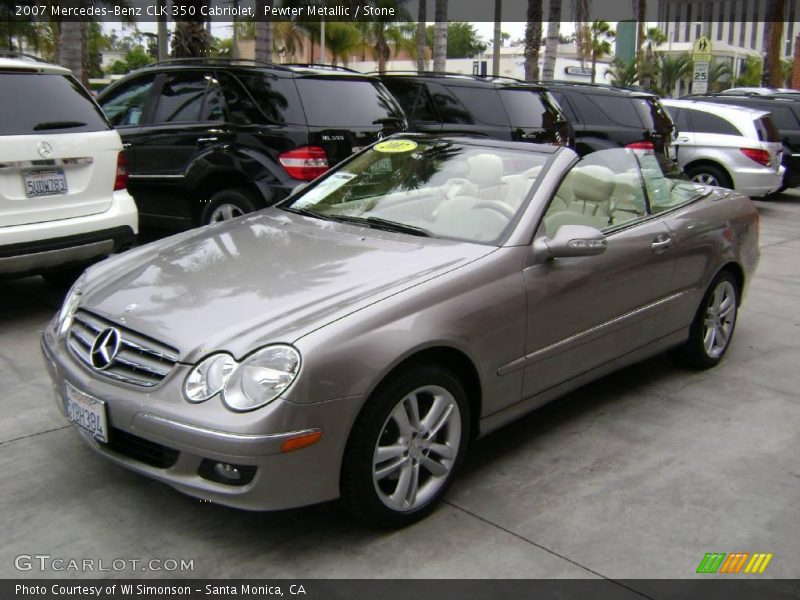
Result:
<point x="71" y="302"/>
<point x="261" y="377"/>
<point x="209" y="377"/>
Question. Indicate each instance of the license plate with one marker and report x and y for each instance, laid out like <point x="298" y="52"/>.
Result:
<point x="88" y="413"/>
<point x="45" y="183"/>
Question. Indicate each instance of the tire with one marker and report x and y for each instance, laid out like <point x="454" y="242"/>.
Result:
<point x="228" y="204"/>
<point x="414" y="470"/>
<point x="710" y="175"/>
<point x="712" y="329"/>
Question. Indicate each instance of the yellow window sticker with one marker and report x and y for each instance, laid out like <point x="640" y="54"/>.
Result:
<point x="396" y="146"/>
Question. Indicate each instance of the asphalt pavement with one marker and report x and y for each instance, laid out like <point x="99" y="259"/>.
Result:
<point x="638" y="475"/>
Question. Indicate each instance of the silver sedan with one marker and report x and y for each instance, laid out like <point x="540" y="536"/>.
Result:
<point x="350" y="342"/>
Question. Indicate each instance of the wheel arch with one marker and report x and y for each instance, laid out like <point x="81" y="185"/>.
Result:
<point x="204" y="189"/>
<point x="701" y="162"/>
<point x="736" y="270"/>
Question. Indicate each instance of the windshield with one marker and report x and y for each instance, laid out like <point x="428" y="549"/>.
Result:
<point x="433" y="188"/>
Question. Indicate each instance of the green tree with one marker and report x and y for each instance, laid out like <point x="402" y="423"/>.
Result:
<point x="623" y="74"/>
<point x="462" y="40"/>
<point x="649" y="64"/>
<point x="601" y="36"/>
<point x="190" y="38"/>
<point x="97" y="43"/>
<point x="673" y="70"/>
<point x="135" y="58"/>
<point x="719" y="76"/>
<point x="342" y="40"/>
<point x="750" y="75"/>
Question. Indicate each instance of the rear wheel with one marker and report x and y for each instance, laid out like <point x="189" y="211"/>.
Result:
<point x="405" y="447"/>
<point x="712" y="329"/>
<point x="228" y="204"/>
<point x="710" y="175"/>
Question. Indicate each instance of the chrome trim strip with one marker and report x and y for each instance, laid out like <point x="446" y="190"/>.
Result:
<point x="156" y="353"/>
<point x="45" y="163"/>
<point x="140" y="367"/>
<point x="237" y="437"/>
<point x="556" y="347"/>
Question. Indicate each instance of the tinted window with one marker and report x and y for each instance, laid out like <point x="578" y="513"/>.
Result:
<point x="766" y="130"/>
<point x="214" y="104"/>
<point x="46" y="103"/>
<point x="782" y="116"/>
<point x="483" y="103"/>
<point x="704" y="122"/>
<point x="527" y="108"/>
<point x="345" y="103"/>
<point x="652" y="114"/>
<point x="450" y="109"/>
<point x="565" y="106"/>
<point x="242" y="108"/>
<point x="276" y="97"/>
<point x="681" y="118"/>
<point x="181" y="98"/>
<point x="414" y="99"/>
<point x="125" y="105"/>
<point x="606" y="110"/>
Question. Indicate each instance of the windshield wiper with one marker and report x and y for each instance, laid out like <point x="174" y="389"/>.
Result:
<point x="307" y="213"/>
<point x="58" y="125"/>
<point x="378" y="223"/>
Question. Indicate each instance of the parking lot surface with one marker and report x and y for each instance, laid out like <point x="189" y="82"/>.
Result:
<point x="635" y="476"/>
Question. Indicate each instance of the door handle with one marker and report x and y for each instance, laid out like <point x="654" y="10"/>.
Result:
<point x="661" y="243"/>
<point x="126" y="145"/>
<point x="207" y="140"/>
<point x="682" y="139"/>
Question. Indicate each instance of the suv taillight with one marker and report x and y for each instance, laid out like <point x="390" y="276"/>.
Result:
<point x="121" y="180"/>
<point x="305" y="163"/>
<point x="757" y="154"/>
<point x="642" y="145"/>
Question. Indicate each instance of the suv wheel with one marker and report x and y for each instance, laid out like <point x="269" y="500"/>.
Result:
<point x="228" y="204"/>
<point x="709" y="175"/>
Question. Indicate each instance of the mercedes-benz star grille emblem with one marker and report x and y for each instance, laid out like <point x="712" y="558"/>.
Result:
<point x="45" y="150"/>
<point x="105" y="348"/>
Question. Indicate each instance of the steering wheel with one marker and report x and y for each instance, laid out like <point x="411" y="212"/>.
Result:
<point x="497" y="206"/>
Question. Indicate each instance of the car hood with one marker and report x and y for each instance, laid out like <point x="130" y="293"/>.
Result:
<point x="270" y="277"/>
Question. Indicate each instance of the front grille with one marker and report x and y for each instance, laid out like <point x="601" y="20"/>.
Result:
<point x="140" y="361"/>
<point x="150" y="453"/>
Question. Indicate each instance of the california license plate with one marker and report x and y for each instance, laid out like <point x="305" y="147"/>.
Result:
<point x="45" y="183"/>
<point x="88" y="413"/>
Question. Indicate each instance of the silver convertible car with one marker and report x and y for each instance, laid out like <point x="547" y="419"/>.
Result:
<point x="350" y="342"/>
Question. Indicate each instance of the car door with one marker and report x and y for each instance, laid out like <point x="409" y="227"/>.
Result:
<point x="586" y="311"/>
<point x="188" y="117"/>
<point x="685" y="141"/>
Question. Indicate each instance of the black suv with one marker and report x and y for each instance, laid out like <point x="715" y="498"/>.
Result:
<point x="207" y="140"/>
<point x="608" y="117"/>
<point x="503" y="109"/>
<point x="785" y="109"/>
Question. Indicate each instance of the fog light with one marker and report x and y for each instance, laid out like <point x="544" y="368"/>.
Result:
<point x="227" y="472"/>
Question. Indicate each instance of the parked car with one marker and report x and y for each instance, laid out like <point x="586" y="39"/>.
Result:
<point x="208" y="140"/>
<point x="606" y="117"/>
<point x="727" y="146"/>
<point x="757" y="91"/>
<point x="352" y="340"/>
<point x="785" y="113"/>
<point x="502" y="109"/>
<point x="63" y="201"/>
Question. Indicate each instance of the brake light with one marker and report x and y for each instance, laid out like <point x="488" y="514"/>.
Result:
<point x="757" y="154"/>
<point x="121" y="179"/>
<point x="642" y="145"/>
<point x="305" y="163"/>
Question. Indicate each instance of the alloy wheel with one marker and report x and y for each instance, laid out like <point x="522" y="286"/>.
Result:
<point x="224" y="212"/>
<point x="720" y="319"/>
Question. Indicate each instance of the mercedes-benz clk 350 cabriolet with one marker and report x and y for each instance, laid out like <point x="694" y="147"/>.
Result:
<point x="350" y="342"/>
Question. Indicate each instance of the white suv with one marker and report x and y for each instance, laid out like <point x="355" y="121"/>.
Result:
<point x="63" y="197"/>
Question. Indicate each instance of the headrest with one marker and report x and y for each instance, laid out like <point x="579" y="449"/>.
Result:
<point x="485" y="170"/>
<point x="593" y="183"/>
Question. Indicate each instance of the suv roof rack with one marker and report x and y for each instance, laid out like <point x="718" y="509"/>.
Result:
<point x="21" y="55"/>
<point x="216" y="60"/>
<point x="322" y="66"/>
<point x="431" y="74"/>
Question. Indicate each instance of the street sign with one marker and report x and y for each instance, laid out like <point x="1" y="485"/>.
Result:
<point x="701" y="50"/>
<point x="700" y="79"/>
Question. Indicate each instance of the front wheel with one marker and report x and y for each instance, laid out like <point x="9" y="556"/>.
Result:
<point x="227" y="204"/>
<point x="712" y="329"/>
<point x="405" y="447"/>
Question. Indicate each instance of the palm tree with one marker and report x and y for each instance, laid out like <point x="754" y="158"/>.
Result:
<point x="649" y="65"/>
<point x="287" y="37"/>
<point x="264" y="34"/>
<point x="422" y="15"/>
<point x="440" y="37"/>
<point x="623" y="74"/>
<point x="773" y="76"/>
<point x="719" y="76"/>
<point x="191" y="38"/>
<point x="583" y="41"/>
<point x="497" y="38"/>
<point x="342" y="40"/>
<point x="69" y="45"/>
<point x="551" y="42"/>
<point x="381" y="32"/>
<point x="673" y="70"/>
<point x="602" y="34"/>
<point x="641" y="17"/>
<point x="533" y="39"/>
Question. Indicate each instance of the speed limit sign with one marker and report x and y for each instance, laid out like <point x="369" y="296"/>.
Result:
<point x="700" y="78"/>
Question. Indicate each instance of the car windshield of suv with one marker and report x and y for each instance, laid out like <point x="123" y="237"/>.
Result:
<point x="344" y="102"/>
<point x="432" y="188"/>
<point x="46" y="103"/>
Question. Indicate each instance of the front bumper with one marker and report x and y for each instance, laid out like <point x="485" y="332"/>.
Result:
<point x="151" y="432"/>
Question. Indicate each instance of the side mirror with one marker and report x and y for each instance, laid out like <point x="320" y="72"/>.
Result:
<point x="576" y="240"/>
